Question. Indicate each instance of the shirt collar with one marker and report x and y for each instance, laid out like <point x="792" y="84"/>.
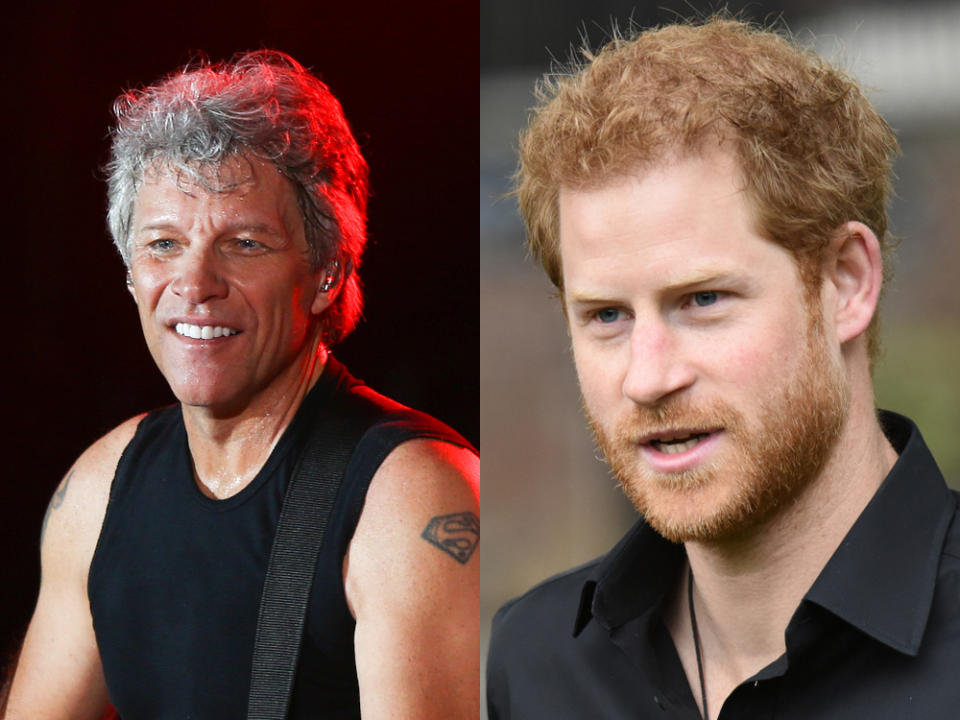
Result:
<point x="882" y="577"/>
<point x="880" y="580"/>
<point x="630" y="580"/>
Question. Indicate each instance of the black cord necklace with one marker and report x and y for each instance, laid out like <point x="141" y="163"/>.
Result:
<point x="696" y="643"/>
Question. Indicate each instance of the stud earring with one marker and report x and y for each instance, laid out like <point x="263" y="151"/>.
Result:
<point x="333" y="273"/>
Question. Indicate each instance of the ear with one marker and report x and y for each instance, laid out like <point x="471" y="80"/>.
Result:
<point x="854" y="267"/>
<point x="131" y="289"/>
<point x="328" y="286"/>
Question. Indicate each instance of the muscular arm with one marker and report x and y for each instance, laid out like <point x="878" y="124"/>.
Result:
<point x="58" y="675"/>
<point x="412" y="582"/>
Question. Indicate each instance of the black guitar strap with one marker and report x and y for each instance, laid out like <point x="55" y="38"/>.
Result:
<point x="300" y="530"/>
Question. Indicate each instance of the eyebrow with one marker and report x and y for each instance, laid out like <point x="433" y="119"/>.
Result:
<point x="705" y="277"/>
<point x="252" y="228"/>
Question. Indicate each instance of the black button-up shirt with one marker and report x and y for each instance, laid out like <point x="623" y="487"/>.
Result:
<point x="876" y="637"/>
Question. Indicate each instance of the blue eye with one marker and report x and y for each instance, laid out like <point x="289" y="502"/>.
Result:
<point x="161" y="245"/>
<point x="705" y="298"/>
<point x="608" y="315"/>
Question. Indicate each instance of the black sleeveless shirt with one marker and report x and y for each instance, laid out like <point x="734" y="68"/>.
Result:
<point x="176" y="578"/>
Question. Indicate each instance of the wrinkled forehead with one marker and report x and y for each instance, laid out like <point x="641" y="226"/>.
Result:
<point x="239" y="190"/>
<point x="235" y="173"/>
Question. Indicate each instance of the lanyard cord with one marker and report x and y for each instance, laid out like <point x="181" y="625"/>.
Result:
<point x="696" y="644"/>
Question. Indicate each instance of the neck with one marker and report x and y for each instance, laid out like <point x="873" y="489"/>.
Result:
<point x="228" y="448"/>
<point x="747" y="588"/>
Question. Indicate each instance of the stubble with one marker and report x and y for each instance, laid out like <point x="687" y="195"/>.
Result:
<point x="766" y="462"/>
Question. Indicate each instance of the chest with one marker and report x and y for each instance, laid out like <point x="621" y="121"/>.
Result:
<point x="845" y="675"/>
<point x="175" y="588"/>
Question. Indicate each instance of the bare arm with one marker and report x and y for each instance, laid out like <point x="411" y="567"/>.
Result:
<point x="413" y="584"/>
<point x="58" y="675"/>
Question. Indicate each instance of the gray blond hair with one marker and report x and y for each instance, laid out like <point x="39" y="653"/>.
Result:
<point x="264" y="105"/>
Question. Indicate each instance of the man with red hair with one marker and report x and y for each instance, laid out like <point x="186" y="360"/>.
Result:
<point x="709" y="201"/>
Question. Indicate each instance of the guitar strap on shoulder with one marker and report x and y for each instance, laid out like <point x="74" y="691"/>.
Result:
<point x="293" y="558"/>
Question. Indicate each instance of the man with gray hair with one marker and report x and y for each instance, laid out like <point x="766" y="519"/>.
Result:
<point x="237" y="199"/>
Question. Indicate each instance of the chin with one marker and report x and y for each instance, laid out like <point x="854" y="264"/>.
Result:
<point x="207" y="395"/>
<point x="712" y="514"/>
<point x="679" y="515"/>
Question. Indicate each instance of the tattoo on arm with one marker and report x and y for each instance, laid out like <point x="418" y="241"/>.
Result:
<point x="457" y="534"/>
<point x="55" y="502"/>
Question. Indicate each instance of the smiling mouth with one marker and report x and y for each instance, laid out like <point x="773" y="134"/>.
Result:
<point x="677" y="444"/>
<point x="203" y="332"/>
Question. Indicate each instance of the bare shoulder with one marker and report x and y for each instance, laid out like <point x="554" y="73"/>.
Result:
<point x="59" y="672"/>
<point x="72" y="523"/>
<point x="426" y="475"/>
<point x="420" y="519"/>
<point x="104" y="454"/>
<point x="412" y="581"/>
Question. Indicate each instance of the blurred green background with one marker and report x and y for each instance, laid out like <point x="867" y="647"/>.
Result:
<point x="548" y="502"/>
<point x="919" y="378"/>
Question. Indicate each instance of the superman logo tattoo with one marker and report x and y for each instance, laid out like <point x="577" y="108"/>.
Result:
<point x="457" y="534"/>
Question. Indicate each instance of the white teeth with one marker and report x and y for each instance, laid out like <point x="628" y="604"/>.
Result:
<point x="203" y="332"/>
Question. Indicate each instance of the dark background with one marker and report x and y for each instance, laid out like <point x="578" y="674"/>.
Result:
<point x="524" y="33"/>
<point x="74" y="360"/>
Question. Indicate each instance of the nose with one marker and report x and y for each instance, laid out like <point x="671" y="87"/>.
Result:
<point x="198" y="277"/>
<point x="658" y="366"/>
